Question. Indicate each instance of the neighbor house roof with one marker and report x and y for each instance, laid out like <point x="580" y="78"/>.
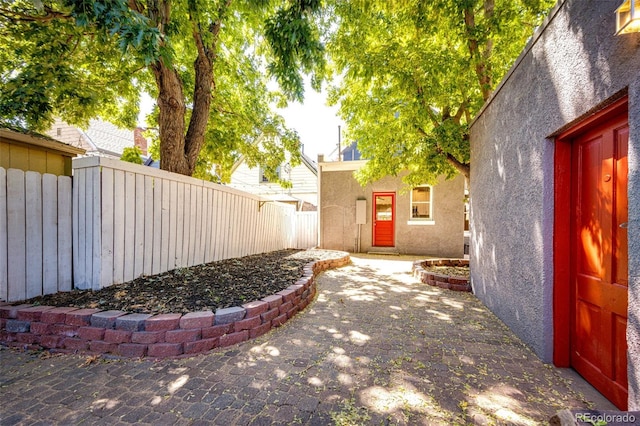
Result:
<point x="99" y="138"/>
<point x="108" y="138"/>
<point x="42" y="141"/>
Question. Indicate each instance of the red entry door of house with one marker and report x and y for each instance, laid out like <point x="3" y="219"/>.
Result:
<point x="599" y="258"/>
<point x="384" y="219"/>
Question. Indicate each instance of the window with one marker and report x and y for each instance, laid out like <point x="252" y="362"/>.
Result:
<point x="422" y="204"/>
<point x="264" y="178"/>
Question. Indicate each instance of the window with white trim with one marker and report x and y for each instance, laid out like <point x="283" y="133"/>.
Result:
<point x="422" y="203"/>
<point x="264" y="178"/>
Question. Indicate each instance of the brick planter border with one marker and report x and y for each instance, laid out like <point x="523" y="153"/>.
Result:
<point x="70" y="330"/>
<point x="452" y="282"/>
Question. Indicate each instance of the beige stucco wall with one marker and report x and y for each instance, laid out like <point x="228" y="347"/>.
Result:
<point x="338" y="230"/>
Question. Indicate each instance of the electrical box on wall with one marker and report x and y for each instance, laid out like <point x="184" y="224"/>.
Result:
<point x="361" y="212"/>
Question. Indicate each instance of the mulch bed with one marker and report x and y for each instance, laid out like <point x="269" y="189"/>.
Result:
<point x="455" y="271"/>
<point x="222" y="284"/>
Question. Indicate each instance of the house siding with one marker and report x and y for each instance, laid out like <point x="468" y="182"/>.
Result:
<point x="574" y="65"/>
<point x="68" y="134"/>
<point x="304" y="183"/>
<point x="338" y="229"/>
<point x="38" y="154"/>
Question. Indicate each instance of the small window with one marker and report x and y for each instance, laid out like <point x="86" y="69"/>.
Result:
<point x="264" y="178"/>
<point x="58" y="131"/>
<point x="422" y="203"/>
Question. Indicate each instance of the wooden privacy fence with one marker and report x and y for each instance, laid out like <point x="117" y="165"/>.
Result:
<point x="123" y="220"/>
<point x="306" y="229"/>
<point x="35" y="234"/>
<point x="134" y="220"/>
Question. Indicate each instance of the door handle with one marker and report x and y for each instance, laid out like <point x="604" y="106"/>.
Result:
<point x="624" y="225"/>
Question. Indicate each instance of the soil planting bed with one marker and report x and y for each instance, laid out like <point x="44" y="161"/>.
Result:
<point x="451" y="274"/>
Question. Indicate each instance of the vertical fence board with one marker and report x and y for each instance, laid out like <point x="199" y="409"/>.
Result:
<point x="65" y="233"/>
<point x="186" y="215"/>
<point x="118" y="225"/>
<point x="207" y="201"/>
<point x="242" y="227"/>
<point x="33" y="189"/>
<point x="107" y="208"/>
<point x="233" y="229"/>
<point x="88" y="228"/>
<point x="173" y="212"/>
<point x="186" y="224"/>
<point x="164" y="220"/>
<point x="180" y="226"/>
<point x="246" y="224"/>
<point x="80" y="240"/>
<point x="96" y="231"/>
<point x="4" y="279"/>
<point x="219" y="242"/>
<point x="157" y="225"/>
<point x="230" y="226"/>
<point x="215" y="213"/>
<point x="16" y="232"/>
<point x="147" y="266"/>
<point x="260" y="227"/>
<point x="192" y="225"/>
<point x="129" y="225"/>
<point x="203" y="229"/>
<point x="138" y="266"/>
<point x="224" y="237"/>
<point x="198" y="237"/>
<point x="49" y="234"/>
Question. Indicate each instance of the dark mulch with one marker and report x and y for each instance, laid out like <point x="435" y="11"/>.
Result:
<point x="221" y="284"/>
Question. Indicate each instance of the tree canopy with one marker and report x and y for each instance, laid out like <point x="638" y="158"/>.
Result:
<point x="415" y="73"/>
<point x="207" y="63"/>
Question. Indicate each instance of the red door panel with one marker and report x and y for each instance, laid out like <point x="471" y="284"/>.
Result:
<point x="599" y="258"/>
<point x="384" y="219"/>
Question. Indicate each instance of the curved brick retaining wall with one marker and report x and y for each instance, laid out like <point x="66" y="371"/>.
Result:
<point x="440" y="280"/>
<point x="158" y="336"/>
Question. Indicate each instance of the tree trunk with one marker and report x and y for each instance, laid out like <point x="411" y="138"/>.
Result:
<point x="171" y="120"/>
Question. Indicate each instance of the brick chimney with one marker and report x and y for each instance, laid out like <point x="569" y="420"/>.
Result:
<point x="139" y="140"/>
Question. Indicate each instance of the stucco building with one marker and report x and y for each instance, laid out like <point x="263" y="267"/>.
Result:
<point x="386" y="216"/>
<point x="555" y="198"/>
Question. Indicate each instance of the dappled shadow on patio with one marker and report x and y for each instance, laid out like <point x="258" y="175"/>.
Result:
<point x="377" y="346"/>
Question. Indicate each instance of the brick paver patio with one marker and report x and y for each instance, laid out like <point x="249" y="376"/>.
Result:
<point x="375" y="347"/>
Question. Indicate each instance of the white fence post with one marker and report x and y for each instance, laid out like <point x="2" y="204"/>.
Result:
<point x="4" y="238"/>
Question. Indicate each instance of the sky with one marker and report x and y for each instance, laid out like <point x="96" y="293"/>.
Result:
<point x="316" y="123"/>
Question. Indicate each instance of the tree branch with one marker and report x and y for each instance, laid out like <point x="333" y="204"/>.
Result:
<point x="482" y="70"/>
<point x="49" y="16"/>
<point x="462" y="109"/>
<point x="463" y="168"/>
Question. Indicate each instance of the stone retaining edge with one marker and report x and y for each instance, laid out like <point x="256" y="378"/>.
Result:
<point x="452" y="282"/>
<point x="72" y="330"/>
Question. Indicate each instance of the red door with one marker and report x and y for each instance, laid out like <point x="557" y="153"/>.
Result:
<point x="599" y="274"/>
<point x="383" y="219"/>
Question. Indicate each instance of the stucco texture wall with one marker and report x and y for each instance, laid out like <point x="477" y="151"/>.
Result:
<point x="338" y="230"/>
<point x="573" y="65"/>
